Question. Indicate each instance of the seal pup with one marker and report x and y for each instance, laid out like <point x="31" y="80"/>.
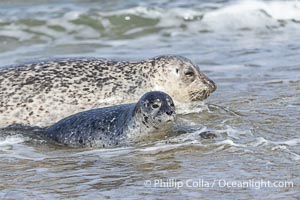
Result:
<point x="38" y="94"/>
<point x="115" y="125"/>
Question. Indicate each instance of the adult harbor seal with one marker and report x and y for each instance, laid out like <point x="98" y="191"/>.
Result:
<point x="38" y="94"/>
<point x="115" y="125"/>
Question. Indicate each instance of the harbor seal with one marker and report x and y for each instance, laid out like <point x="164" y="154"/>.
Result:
<point x="115" y="125"/>
<point x="38" y="94"/>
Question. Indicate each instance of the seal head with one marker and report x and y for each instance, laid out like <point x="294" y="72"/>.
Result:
<point x="153" y="112"/>
<point x="183" y="79"/>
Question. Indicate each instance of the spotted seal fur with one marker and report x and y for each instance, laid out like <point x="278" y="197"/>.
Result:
<point x="115" y="125"/>
<point x="38" y="94"/>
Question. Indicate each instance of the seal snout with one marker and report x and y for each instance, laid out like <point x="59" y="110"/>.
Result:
<point x="170" y="115"/>
<point x="210" y="83"/>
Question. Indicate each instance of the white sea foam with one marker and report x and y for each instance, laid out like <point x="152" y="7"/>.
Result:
<point x="190" y="140"/>
<point x="292" y="142"/>
<point x="164" y="147"/>
<point x="247" y="15"/>
<point x="230" y="143"/>
<point x="254" y="14"/>
<point x="282" y="146"/>
<point x="193" y="107"/>
<point x="214" y="146"/>
<point x="107" y="152"/>
<point x="13" y="147"/>
<point x="260" y="141"/>
<point x="11" y="140"/>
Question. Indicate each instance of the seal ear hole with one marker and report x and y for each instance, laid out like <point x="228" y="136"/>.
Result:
<point x="177" y="70"/>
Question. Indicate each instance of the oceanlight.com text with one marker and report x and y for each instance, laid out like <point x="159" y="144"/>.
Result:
<point x="221" y="183"/>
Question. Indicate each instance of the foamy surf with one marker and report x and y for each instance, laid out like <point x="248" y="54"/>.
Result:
<point x="188" y="108"/>
<point x="100" y="25"/>
<point x="205" y="147"/>
<point x="261" y="141"/>
<point x="9" y="141"/>
<point x="13" y="147"/>
<point x="253" y="14"/>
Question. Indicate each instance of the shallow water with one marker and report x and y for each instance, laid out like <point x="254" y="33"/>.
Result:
<point x="249" y="48"/>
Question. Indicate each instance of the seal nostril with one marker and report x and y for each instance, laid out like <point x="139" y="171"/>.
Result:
<point x="169" y="112"/>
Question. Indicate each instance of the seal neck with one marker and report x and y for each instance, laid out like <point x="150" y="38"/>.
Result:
<point x="136" y="128"/>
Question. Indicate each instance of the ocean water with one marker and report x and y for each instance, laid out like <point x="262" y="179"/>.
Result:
<point x="249" y="48"/>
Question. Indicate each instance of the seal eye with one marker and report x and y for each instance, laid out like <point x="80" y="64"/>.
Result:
<point x="155" y="106"/>
<point x="189" y="73"/>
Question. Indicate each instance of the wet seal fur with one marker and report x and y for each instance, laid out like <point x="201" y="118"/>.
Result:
<point x="38" y="94"/>
<point x="115" y="125"/>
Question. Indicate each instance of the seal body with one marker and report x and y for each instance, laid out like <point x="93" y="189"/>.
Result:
<point x="38" y="94"/>
<point x="116" y="125"/>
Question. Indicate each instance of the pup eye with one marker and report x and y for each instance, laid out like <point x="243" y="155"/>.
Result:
<point x="172" y="105"/>
<point x="155" y="106"/>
